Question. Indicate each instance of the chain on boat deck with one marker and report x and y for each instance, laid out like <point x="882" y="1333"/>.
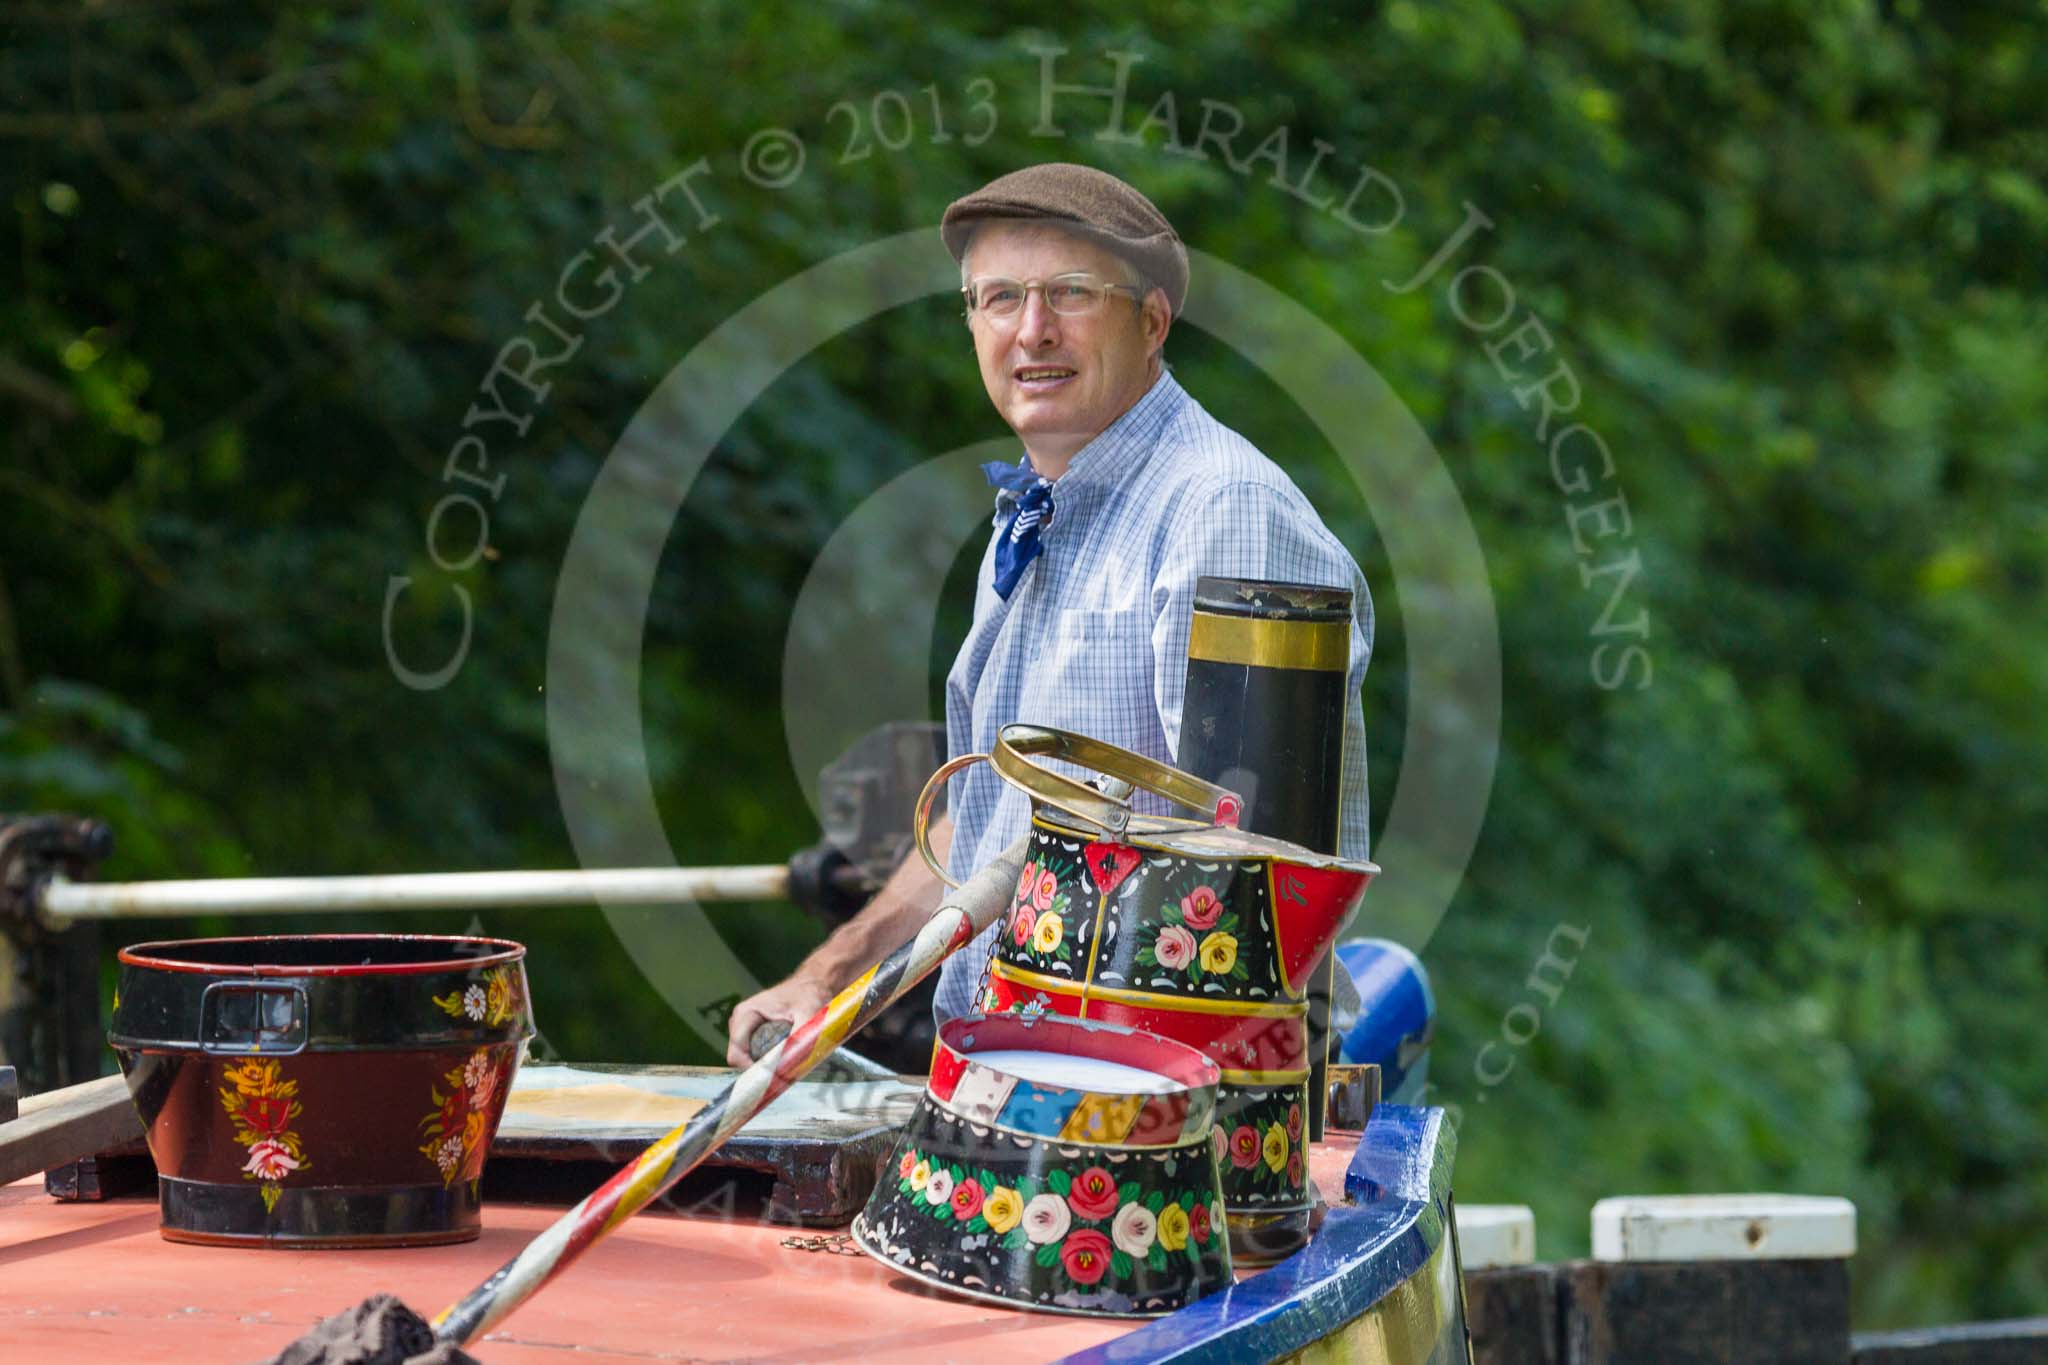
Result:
<point x="95" y="1281"/>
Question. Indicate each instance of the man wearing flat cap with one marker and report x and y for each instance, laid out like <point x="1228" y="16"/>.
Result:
<point x="1127" y="493"/>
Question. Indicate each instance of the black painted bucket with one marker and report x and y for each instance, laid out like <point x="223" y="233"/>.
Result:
<point x="321" y="1090"/>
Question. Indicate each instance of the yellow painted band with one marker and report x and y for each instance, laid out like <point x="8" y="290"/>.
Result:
<point x="843" y="1010"/>
<point x="1264" y="1077"/>
<point x="1102" y="1119"/>
<point x="1248" y="1009"/>
<point x="1318" y="646"/>
<point x="649" y="1169"/>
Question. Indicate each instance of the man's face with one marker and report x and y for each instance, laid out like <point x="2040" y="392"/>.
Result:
<point x="1059" y="379"/>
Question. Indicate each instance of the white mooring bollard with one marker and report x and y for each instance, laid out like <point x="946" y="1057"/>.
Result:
<point x="1723" y="1227"/>
<point x="1493" y="1236"/>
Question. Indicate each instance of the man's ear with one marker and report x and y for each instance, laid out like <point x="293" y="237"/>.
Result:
<point x="1155" y="316"/>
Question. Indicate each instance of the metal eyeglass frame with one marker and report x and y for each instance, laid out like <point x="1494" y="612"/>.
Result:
<point x="1137" y="293"/>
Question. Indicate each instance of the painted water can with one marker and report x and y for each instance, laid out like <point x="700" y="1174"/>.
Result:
<point x="1061" y="1165"/>
<point x="1189" y="929"/>
<point x="321" y="1090"/>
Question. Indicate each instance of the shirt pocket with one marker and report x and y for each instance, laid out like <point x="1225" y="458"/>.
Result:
<point x="1095" y="676"/>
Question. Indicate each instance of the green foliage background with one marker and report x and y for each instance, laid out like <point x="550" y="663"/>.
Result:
<point x="259" y="260"/>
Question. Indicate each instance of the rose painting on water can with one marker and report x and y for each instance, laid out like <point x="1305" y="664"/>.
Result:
<point x="1207" y="937"/>
<point x="994" y="1196"/>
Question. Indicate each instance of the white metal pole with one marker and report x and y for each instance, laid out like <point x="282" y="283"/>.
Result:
<point x="63" y="902"/>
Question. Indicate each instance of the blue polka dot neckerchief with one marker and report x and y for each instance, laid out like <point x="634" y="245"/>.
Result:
<point x="1020" y="543"/>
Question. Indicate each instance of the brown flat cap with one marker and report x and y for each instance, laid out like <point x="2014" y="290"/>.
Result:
<point x="1092" y="203"/>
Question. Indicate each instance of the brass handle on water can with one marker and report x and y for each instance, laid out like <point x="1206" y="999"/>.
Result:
<point x="1112" y="813"/>
<point x="920" y="823"/>
<point x="1015" y="744"/>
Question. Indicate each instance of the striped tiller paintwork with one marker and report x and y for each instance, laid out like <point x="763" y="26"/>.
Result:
<point x="964" y="914"/>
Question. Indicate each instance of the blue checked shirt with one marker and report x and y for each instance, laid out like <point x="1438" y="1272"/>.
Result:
<point x="1095" y="636"/>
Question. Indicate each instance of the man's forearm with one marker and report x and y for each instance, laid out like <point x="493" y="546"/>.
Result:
<point x="905" y="901"/>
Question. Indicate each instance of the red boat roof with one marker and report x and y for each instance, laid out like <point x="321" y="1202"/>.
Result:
<point x="96" y="1281"/>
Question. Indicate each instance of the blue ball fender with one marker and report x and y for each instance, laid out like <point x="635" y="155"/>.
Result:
<point x="1396" y="1016"/>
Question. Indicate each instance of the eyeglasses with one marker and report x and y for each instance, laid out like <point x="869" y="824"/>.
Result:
<point x="1070" y="295"/>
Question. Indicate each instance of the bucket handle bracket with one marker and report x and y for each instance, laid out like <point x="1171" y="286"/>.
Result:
<point x="253" y="1018"/>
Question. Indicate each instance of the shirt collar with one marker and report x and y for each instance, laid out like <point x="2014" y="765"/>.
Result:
<point x="1118" y="450"/>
